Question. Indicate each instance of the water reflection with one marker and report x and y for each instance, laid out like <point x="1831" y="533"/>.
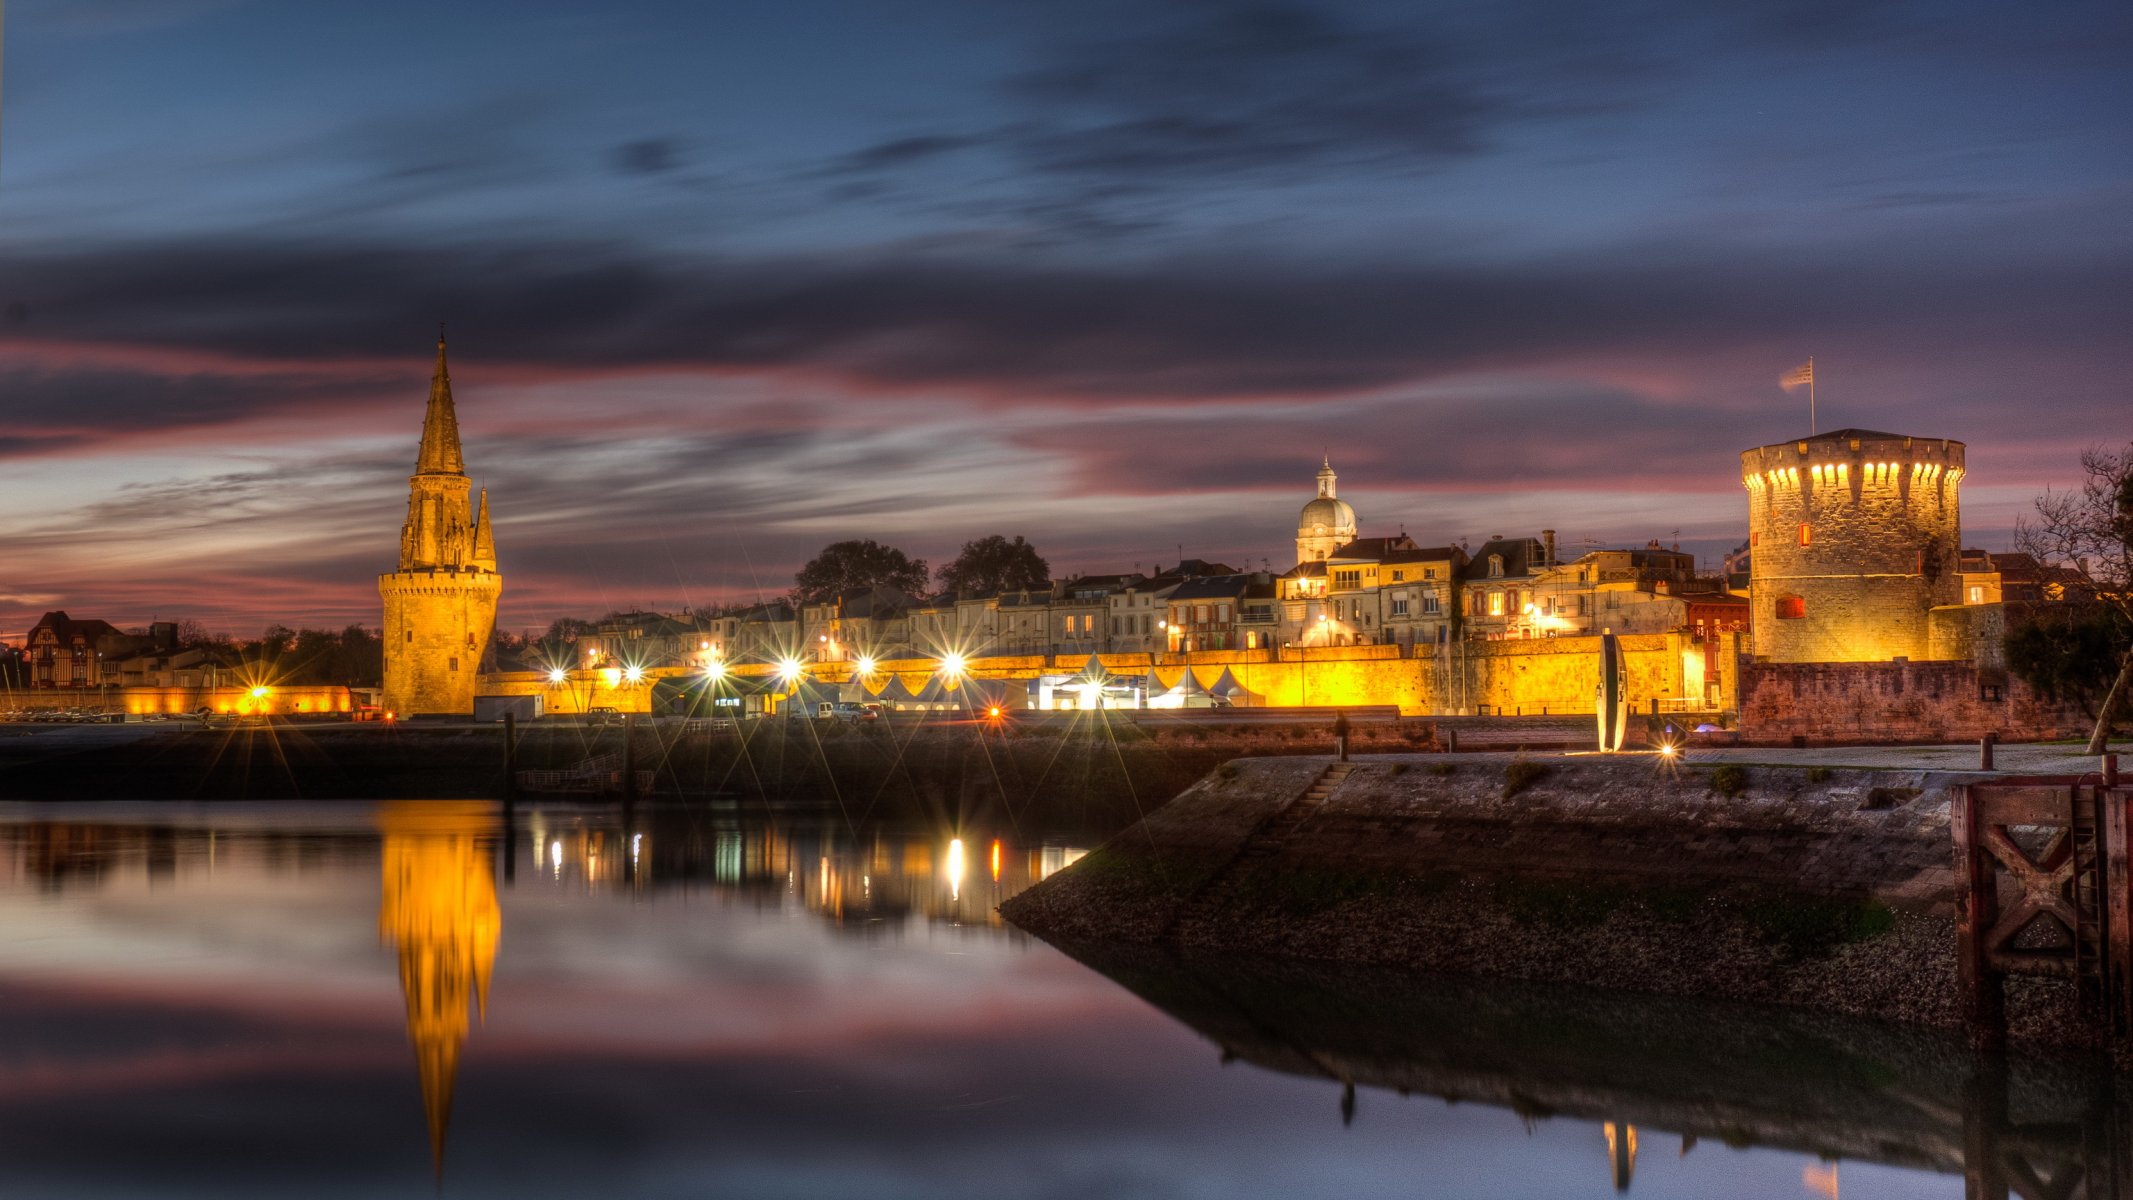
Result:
<point x="221" y="1001"/>
<point x="1840" y="1089"/>
<point x="437" y="906"/>
<point x="880" y="875"/>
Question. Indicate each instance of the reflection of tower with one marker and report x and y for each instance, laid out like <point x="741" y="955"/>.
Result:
<point x="440" y="606"/>
<point x="1621" y="1153"/>
<point x="438" y="905"/>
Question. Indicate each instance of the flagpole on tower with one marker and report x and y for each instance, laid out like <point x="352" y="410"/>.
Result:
<point x="1804" y="373"/>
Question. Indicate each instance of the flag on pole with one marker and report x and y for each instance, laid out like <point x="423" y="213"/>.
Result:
<point x="1800" y="376"/>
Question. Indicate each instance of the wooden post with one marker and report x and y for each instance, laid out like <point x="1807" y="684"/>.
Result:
<point x="1451" y="739"/>
<point x="2117" y="903"/>
<point x="629" y="756"/>
<point x="510" y="843"/>
<point x="510" y="755"/>
<point x="1984" y="752"/>
<point x="1977" y="910"/>
<point x="1984" y="1119"/>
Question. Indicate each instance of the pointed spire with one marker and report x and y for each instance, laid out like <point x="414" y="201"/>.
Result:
<point x="484" y="537"/>
<point x="440" y="425"/>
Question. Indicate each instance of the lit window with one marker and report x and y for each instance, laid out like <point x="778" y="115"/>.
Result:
<point x="1495" y="604"/>
<point x="1977" y="594"/>
<point x="1496" y="566"/>
<point x="1807" y="534"/>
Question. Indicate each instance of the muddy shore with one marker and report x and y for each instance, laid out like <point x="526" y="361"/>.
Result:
<point x="1819" y="888"/>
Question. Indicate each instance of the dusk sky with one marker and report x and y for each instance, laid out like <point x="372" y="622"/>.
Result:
<point x="728" y="281"/>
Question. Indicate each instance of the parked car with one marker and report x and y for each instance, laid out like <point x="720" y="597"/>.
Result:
<point x="601" y="714"/>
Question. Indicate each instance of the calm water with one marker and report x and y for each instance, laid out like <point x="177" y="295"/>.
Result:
<point x="358" y="1001"/>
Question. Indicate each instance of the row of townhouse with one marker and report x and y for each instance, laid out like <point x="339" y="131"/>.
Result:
<point x="62" y="652"/>
<point x="1380" y="590"/>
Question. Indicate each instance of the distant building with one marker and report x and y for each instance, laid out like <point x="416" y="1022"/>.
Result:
<point x="62" y="652"/>
<point x="1497" y="587"/>
<point x="1327" y="523"/>
<point x="440" y="605"/>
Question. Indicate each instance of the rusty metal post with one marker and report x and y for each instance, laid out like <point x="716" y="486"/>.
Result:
<point x="1451" y="740"/>
<point x="2108" y="767"/>
<point x="1977" y="910"/>
<point x="1984" y="751"/>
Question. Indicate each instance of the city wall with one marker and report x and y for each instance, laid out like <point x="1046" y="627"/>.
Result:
<point x="1894" y="702"/>
<point x="173" y="701"/>
<point x="1539" y="677"/>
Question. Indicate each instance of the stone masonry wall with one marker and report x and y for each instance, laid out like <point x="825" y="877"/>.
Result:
<point x="1548" y="675"/>
<point x="1864" y="533"/>
<point x="1891" y="701"/>
<point x="437" y="625"/>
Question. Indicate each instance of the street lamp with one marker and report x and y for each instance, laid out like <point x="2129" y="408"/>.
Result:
<point x="789" y="671"/>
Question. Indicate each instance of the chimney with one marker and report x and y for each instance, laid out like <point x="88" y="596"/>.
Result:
<point x="1548" y="547"/>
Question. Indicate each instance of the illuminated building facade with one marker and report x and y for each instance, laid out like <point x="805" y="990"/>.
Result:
<point x="440" y="606"/>
<point x="1854" y="538"/>
<point x="63" y="652"/>
<point x="1499" y="584"/>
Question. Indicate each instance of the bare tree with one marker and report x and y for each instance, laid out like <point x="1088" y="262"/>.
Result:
<point x="2089" y="531"/>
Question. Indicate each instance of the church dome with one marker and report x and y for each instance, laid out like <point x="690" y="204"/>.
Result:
<point x="1326" y="524"/>
<point x="1325" y="515"/>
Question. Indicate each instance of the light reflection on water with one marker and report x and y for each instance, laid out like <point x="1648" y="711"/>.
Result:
<point x="350" y="1000"/>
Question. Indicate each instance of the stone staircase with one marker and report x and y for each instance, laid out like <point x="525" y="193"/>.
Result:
<point x="1264" y="842"/>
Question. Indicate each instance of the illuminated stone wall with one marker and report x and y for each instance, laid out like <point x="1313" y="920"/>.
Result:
<point x="436" y="625"/>
<point x="1855" y="540"/>
<point x="1552" y="675"/>
<point x="173" y="701"/>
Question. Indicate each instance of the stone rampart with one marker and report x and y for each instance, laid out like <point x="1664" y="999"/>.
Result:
<point x="1548" y="676"/>
<point x="1892" y="702"/>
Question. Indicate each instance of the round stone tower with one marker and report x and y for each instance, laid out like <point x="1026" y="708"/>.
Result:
<point x="1854" y="538"/>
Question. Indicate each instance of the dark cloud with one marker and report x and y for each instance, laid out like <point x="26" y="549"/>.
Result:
<point x="1190" y="327"/>
<point x="903" y="151"/>
<point x="49" y="408"/>
<point x="647" y="156"/>
<point x="1250" y="86"/>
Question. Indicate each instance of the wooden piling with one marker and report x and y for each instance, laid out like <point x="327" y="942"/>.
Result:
<point x="629" y="757"/>
<point x="510" y="756"/>
<point x="1977" y="910"/>
<point x="1985" y="747"/>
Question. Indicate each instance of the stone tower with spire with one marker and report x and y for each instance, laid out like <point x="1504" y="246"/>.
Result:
<point x="440" y="606"/>
<point x="1327" y="523"/>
